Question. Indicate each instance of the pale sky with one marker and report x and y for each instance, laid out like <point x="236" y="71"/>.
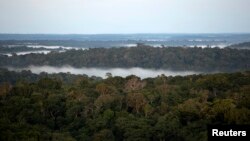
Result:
<point x="124" y="16"/>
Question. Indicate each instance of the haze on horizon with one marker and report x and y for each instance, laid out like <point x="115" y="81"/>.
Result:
<point x="124" y="16"/>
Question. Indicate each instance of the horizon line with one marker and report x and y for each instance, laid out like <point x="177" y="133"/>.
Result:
<point x="122" y="33"/>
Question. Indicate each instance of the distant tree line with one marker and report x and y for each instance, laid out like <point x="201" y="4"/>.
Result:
<point x="244" y="45"/>
<point x="173" y="58"/>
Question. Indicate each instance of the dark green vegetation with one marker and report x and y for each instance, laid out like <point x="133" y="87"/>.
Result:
<point x="67" y="107"/>
<point x="245" y="45"/>
<point x="195" y="59"/>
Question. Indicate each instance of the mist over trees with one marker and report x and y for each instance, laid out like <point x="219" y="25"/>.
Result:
<point x="244" y="45"/>
<point x="176" y="58"/>
<point x="69" y="107"/>
<point x="107" y="70"/>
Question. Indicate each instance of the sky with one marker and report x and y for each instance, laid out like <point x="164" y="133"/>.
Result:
<point x="124" y="16"/>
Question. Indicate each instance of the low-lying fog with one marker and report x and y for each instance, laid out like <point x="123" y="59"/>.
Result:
<point x="101" y="72"/>
<point x="28" y="52"/>
<point x="44" y="49"/>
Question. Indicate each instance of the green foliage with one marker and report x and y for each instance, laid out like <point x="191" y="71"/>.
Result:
<point x="174" y="58"/>
<point x="73" y="107"/>
<point x="47" y="83"/>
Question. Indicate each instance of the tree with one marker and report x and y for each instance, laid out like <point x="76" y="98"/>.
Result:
<point x="134" y="129"/>
<point x="168" y="127"/>
<point x="221" y="110"/>
<point x="148" y="109"/>
<point x="109" y="75"/>
<point x="55" y="110"/>
<point x="48" y="83"/>
<point x="136" y="101"/>
<point x="104" y="102"/>
<point x="4" y="89"/>
<point x="104" y="89"/>
<point x="134" y="84"/>
<point x="104" y="135"/>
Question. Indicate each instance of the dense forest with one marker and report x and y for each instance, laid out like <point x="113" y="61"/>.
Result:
<point x="245" y="45"/>
<point x="173" y="58"/>
<point x="66" y="107"/>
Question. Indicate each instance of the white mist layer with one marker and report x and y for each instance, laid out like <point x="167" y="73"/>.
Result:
<point x="211" y="46"/>
<point x="59" y="49"/>
<point x="28" y="52"/>
<point x="49" y="47"/>
<point x="55" y="47"/>
<point x="101" y="72"/>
